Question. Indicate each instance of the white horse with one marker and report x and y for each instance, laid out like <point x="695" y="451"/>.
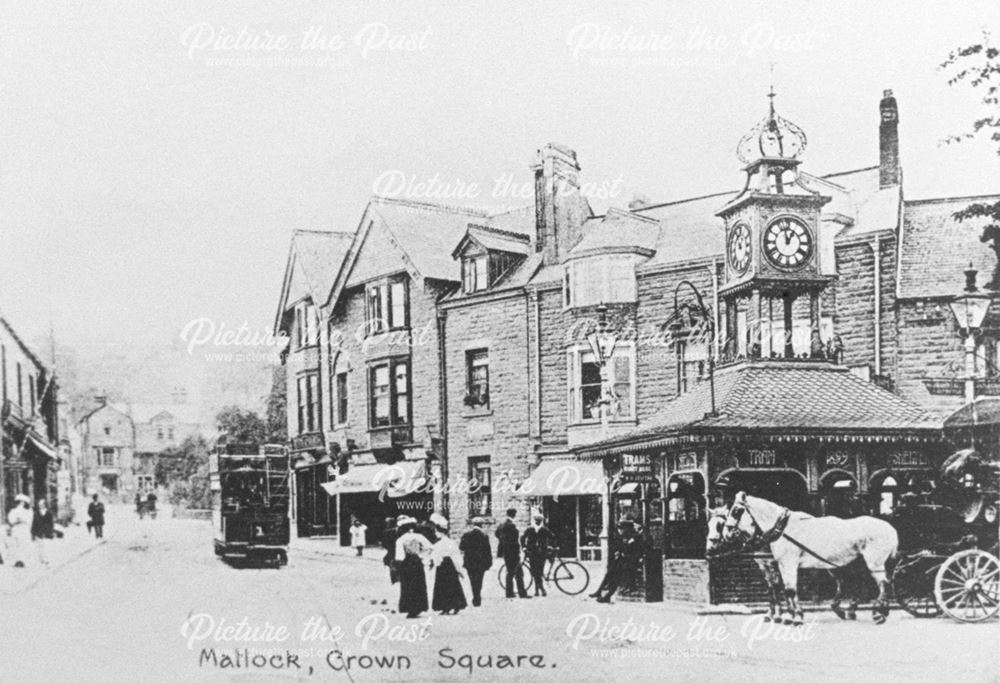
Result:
<point x="829" y="543"/>
<point x="716" y="547"/>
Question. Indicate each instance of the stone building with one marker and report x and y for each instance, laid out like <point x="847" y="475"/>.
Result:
<point x="30" y="462"/>
<point x="107" y="452"/>
<point x="552" y="348"/>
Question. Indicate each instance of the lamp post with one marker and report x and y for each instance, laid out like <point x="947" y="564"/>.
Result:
<point x="602" y="344"/>
<point x="970" y="308"/>
<point x="706" y="315"/>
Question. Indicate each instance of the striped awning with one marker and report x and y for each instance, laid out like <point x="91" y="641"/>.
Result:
<point x="396" y="479"/>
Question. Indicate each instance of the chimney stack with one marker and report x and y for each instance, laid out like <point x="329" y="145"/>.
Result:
<point x="888" y="141"/>
<point x="560" y="209"/>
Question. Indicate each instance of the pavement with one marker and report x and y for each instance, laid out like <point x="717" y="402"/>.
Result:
<point x="153" y="603"/>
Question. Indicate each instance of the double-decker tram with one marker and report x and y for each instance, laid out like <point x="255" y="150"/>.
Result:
<point x="250" y="503"/>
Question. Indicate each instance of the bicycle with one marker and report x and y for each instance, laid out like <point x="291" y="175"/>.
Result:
<point x="571" y="577"/>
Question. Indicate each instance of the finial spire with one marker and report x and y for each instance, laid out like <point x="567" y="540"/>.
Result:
<point x="771" y="95"/>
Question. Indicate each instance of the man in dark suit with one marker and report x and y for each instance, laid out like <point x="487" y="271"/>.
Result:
<point x="509" y="549"/>
<point x="477" y="557"/>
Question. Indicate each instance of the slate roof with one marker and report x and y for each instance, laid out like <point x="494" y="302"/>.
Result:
<point x="936" y="248"/>
<point x="496" y="240"/>
<point x="318" y="256"/>
<point x="616" y="230"/>
<point x="787" y="398"/>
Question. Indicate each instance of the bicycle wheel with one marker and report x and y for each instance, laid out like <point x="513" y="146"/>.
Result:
<point x="525" y="575"/>
<point x="570" y="577"/>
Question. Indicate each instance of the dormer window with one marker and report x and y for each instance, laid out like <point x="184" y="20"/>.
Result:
<point x="599" y="279"/>
<point x="475" y="273"/>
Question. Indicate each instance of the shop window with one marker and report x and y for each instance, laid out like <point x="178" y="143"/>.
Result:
<point x="477" y="367"/>
<point x="387" y="305"/>
<point x="480" y="487"/>
<point x="389" y="393"/>
<point x="586" y="387"/>
<point x="685" y="515"/>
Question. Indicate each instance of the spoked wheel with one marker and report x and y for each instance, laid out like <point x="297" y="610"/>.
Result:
<point x="571" y="577"/>
<point x="502" y="576"/>
<point x="967" y="586"/>
<point x="913" y="586"/>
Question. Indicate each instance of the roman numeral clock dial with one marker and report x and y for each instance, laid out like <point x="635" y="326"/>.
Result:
<point x="739" y="248"/>
<point x="788" y="244"/>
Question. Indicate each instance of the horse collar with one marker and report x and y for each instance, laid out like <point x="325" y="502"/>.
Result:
<point x="779" y="527"/>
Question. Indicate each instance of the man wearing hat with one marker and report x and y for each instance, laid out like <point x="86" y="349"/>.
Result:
<point x="624" y="560"/>
<point x="477" y="557"/>
<point x="96" y="513"/>
<point x="509" y="549"/>
<point x="20" y="519"/>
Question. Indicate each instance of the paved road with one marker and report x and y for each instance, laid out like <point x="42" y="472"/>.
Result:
<point x="116" y="614"/>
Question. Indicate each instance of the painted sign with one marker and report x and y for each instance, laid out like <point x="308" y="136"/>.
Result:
<point x="638" y="468"/>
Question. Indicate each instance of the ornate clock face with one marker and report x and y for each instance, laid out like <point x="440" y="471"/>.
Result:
<point x="788" y="243"/>
<point x="739" y="248"/>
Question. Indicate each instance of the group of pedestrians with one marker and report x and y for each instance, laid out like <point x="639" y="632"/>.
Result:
<point x="416" y="551"/>
<point x="29" y="532"/>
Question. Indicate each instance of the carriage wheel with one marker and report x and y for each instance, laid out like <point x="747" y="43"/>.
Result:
<point x="913" y="587"/>
<point x="967" y="586"/>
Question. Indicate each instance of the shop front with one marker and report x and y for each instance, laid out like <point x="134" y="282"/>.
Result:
<point x="817" y="440"/>
<point x="371" y="492"/>
<point x="312" y="466"/>
<point x="573" y="497"/>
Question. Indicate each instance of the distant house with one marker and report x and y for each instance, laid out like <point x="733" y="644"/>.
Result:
<point x="107" y="451"/>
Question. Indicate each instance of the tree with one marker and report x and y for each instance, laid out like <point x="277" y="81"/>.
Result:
<point x="978" y="66"/>
<point x="184" y="471"/>
<point x="241" y="425"/>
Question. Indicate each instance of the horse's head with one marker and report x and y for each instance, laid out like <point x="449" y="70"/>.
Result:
<point x="714" y="544"/>
<point x="740" y="528"/>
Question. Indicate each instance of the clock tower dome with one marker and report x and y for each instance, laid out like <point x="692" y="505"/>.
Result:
<point x="772" y="277"/>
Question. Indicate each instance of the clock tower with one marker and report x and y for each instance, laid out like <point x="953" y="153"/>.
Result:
<point x="773" y="280"/>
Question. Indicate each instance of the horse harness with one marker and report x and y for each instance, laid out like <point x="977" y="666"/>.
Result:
<point x="764" y="538"/>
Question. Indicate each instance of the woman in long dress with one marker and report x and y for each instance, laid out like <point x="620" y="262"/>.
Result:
<point x="20" y="519"/>
<point x="449" y="598"/>
<point x="411" y="550"/>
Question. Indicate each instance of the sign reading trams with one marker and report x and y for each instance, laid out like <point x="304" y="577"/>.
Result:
<point x="637" y="468"/>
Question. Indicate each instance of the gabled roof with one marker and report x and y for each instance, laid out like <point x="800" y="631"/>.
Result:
<point x="492" y="239"/>
<point x="24" y="347"/>
<point x="790" y="399"/>
<point x="935" y="248"/>
<point x="180" y="413"/>
<point x="121" y="410"/>
<point x="314" y="260"/>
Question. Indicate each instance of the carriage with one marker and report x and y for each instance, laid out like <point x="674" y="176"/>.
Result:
<point x="949" y="543"/>
<point x="250" y="503"/>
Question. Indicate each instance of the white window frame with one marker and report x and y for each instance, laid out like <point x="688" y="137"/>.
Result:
<point x="574" y="400"/>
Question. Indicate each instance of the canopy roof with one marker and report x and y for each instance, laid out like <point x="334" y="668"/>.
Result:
<point x="784" y="400"/>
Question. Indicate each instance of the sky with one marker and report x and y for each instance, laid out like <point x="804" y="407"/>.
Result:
<point x="155" y="157"/>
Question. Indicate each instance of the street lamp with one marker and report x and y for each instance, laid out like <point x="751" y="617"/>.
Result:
<point x="705" y="314"/>
<point x="970" y="308"/>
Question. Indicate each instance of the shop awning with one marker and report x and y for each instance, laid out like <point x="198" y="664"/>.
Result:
<point x="397" y="479"/>
<point x="42" y="446"/>
<point x="565" y="478"/>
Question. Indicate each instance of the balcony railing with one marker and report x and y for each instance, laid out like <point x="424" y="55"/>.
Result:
<point x="953" y="386"/>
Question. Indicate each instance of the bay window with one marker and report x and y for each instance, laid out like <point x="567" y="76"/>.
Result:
<point x="585" y="385"/>
<point x="307" y="402"/>
<point x="389" y="393"/>
<point x="599" y="279"/>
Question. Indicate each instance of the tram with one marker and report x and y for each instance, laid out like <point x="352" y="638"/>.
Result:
<point x="250" y="503"/>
